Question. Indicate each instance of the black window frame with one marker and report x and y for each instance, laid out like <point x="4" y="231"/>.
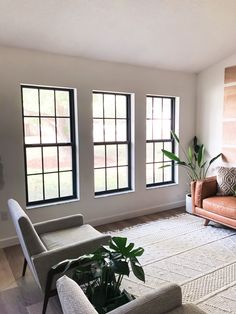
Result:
<point x="105" y="143"/>
<point x="71" y="144"/>
<point x="153" y="141"/>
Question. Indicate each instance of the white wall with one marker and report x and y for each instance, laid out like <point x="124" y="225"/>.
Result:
<point x="210" y="101"/>
<point x="21" y="66"/>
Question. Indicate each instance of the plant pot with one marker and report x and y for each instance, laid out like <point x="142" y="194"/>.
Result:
<point x="188" y="203"/>
<point x="123" y="298"/>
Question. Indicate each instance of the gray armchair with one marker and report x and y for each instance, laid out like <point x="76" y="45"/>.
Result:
<point x="48" y="243"/>
<point x="166" y="299"/>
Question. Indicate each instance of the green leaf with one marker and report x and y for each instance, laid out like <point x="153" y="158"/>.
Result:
<point x="175" y="136"/>
<point x="137" y="252"/>
<point x="190" y="154"/>
<point x="120" y="242"/>
<point x="165" y="166"/>
<point x="181" y="163"/>
<point x="129" y="247"/>
<point x="138" y="271"/>
<point x="213" y="159"/>
<point x="170" y="155"/>
<point x="200" y="155"/>
<point x="121" y="268"/>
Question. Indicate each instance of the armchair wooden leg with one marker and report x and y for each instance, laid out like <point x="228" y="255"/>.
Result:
<point x="48" y="291"/>
<point x="206" y="222"/>
<point x="24" y="267"/>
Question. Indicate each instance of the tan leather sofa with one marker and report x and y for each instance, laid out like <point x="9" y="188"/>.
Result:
<point x="207" y="204"/>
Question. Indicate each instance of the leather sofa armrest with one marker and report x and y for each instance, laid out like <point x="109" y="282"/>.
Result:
<point x="203" y="189"/>
<point x="59" y="224"/>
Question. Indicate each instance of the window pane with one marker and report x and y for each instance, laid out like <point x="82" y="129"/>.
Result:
<point x="121" y="106"/>
<point x="97" y="105"/>
<point x="149" y="130"/>
<point x="168" y="146"/>
<point x="63" y="130"/>
<point x="99" y="177"/>
<point x="62" y="103"/>
<point x="109" y="106"/>
<point x="49" y="123"/>
<point x="158" y="173"/>
<point x="149" y="107"/>
<point x="51" y="185"/>
<point x="48" y="130"/>
<point x="158" y="137"/>
<point x="109" y="130"/>
<point x="157" y="129"/>
<point x="99" y="156"/>
<point x="47" y="105"/>
<point x="149" y="152"/>
<point x="123" y="155"/>
<point x="32" y="134"/>
<point x="34" y="160"/>
<point x="50" y="159"/>
<point x="166" y="129"/>
<point x="111" y="155"/>
<point x="35" y="187"/>
<point x="166" y="108"/>
<point x="30" y="101"/>
<point x="167" y="172"/>
<point x="111" y="178"/>
<point x="98" y="130"/>
<point x="66" y="184"/>
<point x="157" y="108"/>
<point x="65" y="158"/>
<point x="123" y="177"/>
<point x="158" y="152"/>
<point x="149" y="173"/>
<point x="121" y="130"/>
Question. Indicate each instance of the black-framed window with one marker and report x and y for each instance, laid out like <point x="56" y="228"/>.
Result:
<point x="112" y="142"/>
<point x="160" y="120"/>
<point x="49" y="144"/>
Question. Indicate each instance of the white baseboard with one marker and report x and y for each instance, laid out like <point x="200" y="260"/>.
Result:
<point x="136" y="213"/>
<point x="6" y="242"/>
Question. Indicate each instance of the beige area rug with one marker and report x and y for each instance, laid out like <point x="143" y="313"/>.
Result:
<point x="179" y="249"/>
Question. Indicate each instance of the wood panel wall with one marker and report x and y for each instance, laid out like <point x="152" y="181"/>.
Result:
<point x="229" y="116"/>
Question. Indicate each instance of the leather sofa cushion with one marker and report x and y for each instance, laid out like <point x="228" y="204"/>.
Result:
<point x="221" y="205"/>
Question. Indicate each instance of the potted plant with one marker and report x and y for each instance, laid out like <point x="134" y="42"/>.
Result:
<point x="194" y="162"/>
<point x="100" y="274"/>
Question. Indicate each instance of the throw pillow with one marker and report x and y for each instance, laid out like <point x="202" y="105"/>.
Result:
<point x="226" y="181"/>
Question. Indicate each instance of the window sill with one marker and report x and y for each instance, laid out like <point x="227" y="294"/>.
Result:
<point x="113" y="194"/>
<point x="161" y="186"/>
<point x="53" y="204"/>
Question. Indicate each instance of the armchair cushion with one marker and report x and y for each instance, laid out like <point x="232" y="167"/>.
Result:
<point x="60" y="238"/>
<point x="59" y="223"/>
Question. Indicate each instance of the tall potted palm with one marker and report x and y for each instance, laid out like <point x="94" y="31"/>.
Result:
<point x="194" y="162"/>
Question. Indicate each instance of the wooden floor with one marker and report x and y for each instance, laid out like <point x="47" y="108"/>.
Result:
<point x="21" y="295"/>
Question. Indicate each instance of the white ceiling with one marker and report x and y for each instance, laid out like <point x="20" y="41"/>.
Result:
<point x="186" y="35"/>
